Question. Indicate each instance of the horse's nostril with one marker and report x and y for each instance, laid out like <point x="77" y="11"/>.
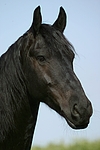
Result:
<point x="75" y="112"/>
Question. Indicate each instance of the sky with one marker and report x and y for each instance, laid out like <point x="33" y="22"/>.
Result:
<point x="83" y="31"/>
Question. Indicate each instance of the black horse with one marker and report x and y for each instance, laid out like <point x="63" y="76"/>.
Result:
<point x="38" y="67"/>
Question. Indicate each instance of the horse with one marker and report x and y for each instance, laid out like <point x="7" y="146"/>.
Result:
<point x="38" y="67"/>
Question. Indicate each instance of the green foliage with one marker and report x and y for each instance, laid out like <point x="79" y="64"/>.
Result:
<point x="85" y="145"/>
<point x="78" y="145"/>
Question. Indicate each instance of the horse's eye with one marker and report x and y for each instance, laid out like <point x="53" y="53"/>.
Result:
<point x="41" y="58"/>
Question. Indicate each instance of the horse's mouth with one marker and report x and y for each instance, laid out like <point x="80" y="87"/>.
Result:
<point x="72" y="125"/>
<point x="76" y="125"/>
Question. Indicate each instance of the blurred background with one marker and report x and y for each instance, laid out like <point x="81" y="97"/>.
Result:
<point x="83" y="31"/>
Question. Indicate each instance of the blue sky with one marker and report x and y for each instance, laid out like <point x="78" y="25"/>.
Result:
<point x="83" y="30"/>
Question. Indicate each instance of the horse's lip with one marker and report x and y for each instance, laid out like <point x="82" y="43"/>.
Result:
<point x="72" y="125"/>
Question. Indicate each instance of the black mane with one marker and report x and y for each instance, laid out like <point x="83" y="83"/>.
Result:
<point x="56" y="40"/>
<point x="13" y="96"/>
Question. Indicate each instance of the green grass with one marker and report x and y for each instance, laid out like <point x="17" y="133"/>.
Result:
<point x="78" y="145"/>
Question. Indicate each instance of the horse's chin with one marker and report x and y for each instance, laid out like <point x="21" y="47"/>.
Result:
<point x="73" y="126"/>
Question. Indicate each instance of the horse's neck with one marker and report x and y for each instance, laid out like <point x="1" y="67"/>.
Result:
<point x="16" y="121"/>
<point x="17" y="134"/>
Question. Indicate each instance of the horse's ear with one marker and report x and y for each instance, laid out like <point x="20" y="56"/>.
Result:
<point x="37" y="20"/>
<point x="60" y="23"/>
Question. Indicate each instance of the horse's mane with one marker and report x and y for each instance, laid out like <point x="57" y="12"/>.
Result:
<point x="56" y="40"/>
<point x="12" y="87"/>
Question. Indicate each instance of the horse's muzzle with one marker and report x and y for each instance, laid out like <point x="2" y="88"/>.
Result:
<point x="80" y="114"/>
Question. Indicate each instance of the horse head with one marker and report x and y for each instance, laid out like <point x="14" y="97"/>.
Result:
<point x="48" y="69"/>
